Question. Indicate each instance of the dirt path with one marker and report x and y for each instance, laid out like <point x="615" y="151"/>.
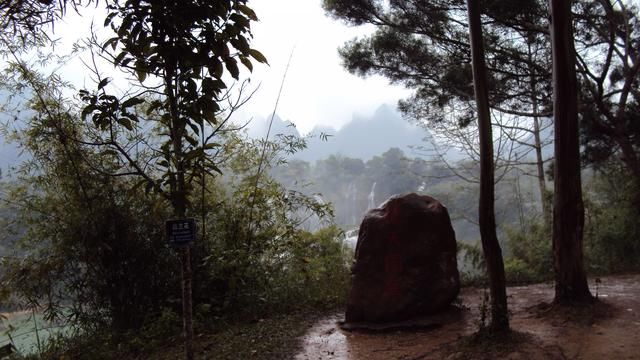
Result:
<point x="608" y="330"/>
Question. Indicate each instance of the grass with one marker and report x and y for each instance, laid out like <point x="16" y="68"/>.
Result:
<point x="271" y="338"/>
<point x="277" y="337"/>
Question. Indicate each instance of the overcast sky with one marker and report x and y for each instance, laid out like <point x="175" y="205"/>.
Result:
<point x="317" y="90"/>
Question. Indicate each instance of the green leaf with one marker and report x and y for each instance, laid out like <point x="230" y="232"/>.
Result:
<point x="118" y="60"/>
<point x="215" y="168"/>
<point x="247" y="11"/>
<point x="109" y="18"/>
<point x="132" y="102"/>
<point x="155" y="104"/>
<point x="246" y="63"/>
<point x="125" y="25"/>
<point x="217" y="69"/>
<point x="126" y="123"/>
<point x="194" y="154"/>
<point x="191" y="140"/>
<point x="242" y="44"/>
<point x="113" y="42"/>
<point x="219" y="85"/>
<point x="191" y="87"/>
<point x="324" y="136"/>
<point x="258" y="56"/>
<point x="142" y="75"/>
<point x="194" y="127"/>
<point x="210" y="146"/>
<point x="212" y="86"/>
<point x="232" y="66"/>
<point x="89" y="109"/>
<point x="126" y="62"/>
<point x="103" y="83"/>
<point x="209" y="106"/>
<point x="130" y="116"/>
<point x="210" y="117"/>
<point x="239" y="20"/>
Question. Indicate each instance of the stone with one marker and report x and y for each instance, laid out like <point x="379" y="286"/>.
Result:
<point x="515" y="356"/>
<point x="405" y="262"/>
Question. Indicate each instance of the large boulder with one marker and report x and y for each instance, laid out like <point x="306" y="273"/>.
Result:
<point x="405" y="262"/>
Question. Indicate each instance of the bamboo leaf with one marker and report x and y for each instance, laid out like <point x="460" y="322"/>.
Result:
<point x="103" y="83"/>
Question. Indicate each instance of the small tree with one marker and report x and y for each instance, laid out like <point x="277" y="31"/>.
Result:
<point x="486" y="212"/>
<point x="178" y="52"/>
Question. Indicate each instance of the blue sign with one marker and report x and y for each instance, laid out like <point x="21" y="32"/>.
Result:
<point x="181" y="232"/>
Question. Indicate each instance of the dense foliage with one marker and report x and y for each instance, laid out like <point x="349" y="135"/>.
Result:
<point x="611" y="232"/>
<point x="95" y="252"/>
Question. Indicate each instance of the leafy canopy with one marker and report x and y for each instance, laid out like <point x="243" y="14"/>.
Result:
<point x="180" y="54"/>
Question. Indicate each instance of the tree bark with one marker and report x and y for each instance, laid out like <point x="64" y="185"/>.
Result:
<point x="568" y="209"/>
<point x="490" y="245"/>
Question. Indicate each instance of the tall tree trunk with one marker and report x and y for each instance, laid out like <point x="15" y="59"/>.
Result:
<point x="568" y="209"/>
<point x="490" y="245"/>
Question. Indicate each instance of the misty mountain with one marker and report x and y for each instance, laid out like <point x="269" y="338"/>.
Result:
<point x="259" y="127"/>
<point x="361" y="138"/>
<point x="364" y="138"/>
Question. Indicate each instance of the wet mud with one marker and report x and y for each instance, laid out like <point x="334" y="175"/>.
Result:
<point x="608" y="329"/>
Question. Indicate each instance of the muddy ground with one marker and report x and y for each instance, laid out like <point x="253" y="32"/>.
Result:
<point x="609" y="329"/>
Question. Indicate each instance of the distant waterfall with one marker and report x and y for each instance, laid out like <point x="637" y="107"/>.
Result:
<point x="372" y="197"/>
<point x="352" y="195"/>
<point x="422" y="187"/>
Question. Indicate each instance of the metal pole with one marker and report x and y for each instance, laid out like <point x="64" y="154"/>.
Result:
<point x="187" y="308"/>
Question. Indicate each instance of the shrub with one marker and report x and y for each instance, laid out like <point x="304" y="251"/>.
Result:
<point x="612" y="226"/>
<point x="529" y="256"/>
<point x="519" y="272"/>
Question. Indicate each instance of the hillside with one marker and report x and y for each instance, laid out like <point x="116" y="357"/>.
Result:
<point x="361" y="138"/>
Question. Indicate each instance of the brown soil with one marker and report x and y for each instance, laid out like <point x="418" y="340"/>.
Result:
<point x="607" y="329"/>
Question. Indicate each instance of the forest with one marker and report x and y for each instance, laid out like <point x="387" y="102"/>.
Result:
<point x="538" y="100"/>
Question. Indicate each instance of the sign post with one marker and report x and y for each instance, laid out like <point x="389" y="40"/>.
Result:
<point x="181" y="233"/>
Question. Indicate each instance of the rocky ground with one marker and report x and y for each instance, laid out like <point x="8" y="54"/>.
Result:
<point x="608" y="329"/>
